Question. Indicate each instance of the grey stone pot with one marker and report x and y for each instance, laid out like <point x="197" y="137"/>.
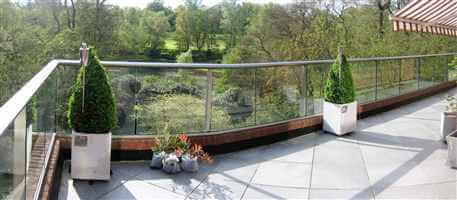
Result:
<point x="189" y="164"/>
<point x="156" y="161"/>
<point x="448" y="124"/>
<point x="171" y="164"/>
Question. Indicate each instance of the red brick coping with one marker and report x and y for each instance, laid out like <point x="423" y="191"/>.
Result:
<point x="51" y="172"/>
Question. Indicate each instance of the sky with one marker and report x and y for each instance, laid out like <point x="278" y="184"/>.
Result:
<point x="175" y="3"/>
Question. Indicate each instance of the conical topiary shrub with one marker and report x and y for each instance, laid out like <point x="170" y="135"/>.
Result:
<point x="339" y="88"/>
<point x="99" y="112"/>
<point x="340" y="107"/>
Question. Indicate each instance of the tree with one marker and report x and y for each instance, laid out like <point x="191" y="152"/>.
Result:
<point x="235" y="19"/>
<point x="196" y="25"/>
<point x="99" y="24"/>
<point x="269" y="32"/>
<point x="183" y="27"/>
<point x="132" y="36"/>
<point x="339" y="88"/>
<point x="91" y="107"/>
<point x="383" y="5"/>
<point x="71" y="14"/>
<point x="158" y="6"/>
<point x="54" y="7"/>
<point x="155" y="25"/>
<point x="213" y="26"/>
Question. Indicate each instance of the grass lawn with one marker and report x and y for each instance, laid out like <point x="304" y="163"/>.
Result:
<point x="172" y="44"/>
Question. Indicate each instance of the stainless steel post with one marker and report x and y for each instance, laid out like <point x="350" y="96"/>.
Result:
<point x="208" y="100"/>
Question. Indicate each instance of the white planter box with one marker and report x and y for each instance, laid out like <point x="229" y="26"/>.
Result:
<point x="448" y="124"/>
<point x="90" y="156"/>
<point x="452" y="149"/>
<point x="340" y="119"/>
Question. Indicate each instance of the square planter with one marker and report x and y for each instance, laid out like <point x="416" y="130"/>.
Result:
<point x="91" y="156"/>
<point x="452" y="149"/>
<point x="448" y="124"/>
<point x="340" y="119"/>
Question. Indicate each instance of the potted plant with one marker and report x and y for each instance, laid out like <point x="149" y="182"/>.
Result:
<point x="189" y="160"/>
<point x="340" y="107"/>
<point x="91" y="115"/>
<point x="173" y="154"/>
<point x="448" y="118"/>
<point x="167" y="151"/>
<point x="158" y="153"/>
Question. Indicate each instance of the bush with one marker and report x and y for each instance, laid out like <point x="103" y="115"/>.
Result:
<point x="233" y="56"/>
<point x="175" y="114"/>
<point x="275" y="107"/>
<point x="162" y="85"/>
<point x="339" y="88"/>
<point x="125" y="88"/>
<point x="99" y="114"/>
<point x="453" y="63"/>
<point x="31" y="111"/>
<point x="185" y="57"/>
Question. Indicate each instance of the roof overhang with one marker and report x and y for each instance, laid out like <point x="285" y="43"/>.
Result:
<point x="428" y="16"/>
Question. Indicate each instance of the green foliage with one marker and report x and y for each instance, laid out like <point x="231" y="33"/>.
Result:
<point x="99" y="112"/>
<point x="163" y="84"/>
<point x="453" y="63"/>
<point x="171" y="143"/>
<point x="275" y="107"/>
<point x="125" y="88"/>
<point x="64" y="45"/>
<point x="339" y="88"/>
<point x="235" y="20"/>
<point x="175" y="114"/>
<point x="185" y="57"/>
<point x="155" y="25"/>
<point x="31" y="111"/>
<point x="233" y="56"/>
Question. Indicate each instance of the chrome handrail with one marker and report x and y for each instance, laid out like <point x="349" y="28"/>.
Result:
<point x="11" y="109"/>
<point x="243" y="65"/>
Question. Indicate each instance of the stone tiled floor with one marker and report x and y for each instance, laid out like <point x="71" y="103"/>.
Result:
<point x="394" y="155"/>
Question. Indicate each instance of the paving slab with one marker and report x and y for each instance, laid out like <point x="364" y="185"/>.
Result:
<point x="256" y="191"/>
<point x="287" y="174"/>
<point x="139" y="190"/>
<point x="299" y="149"/>
<point x="183" y="183"/>
<point x="427" y="191"/>
<point x="220" y="186"/>
<point x="339" y="168"/>
<point x="446" y="190"/>
<point x="364" y="194"/>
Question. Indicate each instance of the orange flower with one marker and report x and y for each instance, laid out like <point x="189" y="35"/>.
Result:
<point x="183" y="138"/>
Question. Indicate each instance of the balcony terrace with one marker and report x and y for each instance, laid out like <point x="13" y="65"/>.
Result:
<point x="396" y="151"/>
<point x="394" y="155"/>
